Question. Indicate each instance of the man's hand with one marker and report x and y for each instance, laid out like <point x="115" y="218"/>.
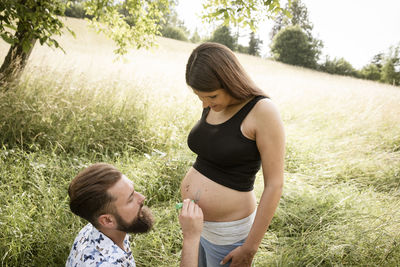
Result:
<point x="240" y="257"/>
<point x="191" y="219"/>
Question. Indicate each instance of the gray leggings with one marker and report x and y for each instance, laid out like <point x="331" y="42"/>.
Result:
<point x="211" y="255"/>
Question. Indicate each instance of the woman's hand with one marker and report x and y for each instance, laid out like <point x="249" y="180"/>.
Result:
<point x="240" y="257"/>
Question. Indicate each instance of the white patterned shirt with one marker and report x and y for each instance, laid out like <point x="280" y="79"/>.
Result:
<point x="92" y="248"/>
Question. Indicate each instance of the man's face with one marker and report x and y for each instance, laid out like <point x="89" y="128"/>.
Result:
<point x="130" y="214"/>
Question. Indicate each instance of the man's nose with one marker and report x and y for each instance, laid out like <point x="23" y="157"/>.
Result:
<point x="140" y="197"/>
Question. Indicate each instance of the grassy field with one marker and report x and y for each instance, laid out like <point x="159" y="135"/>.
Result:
<point x="341" y="200"/>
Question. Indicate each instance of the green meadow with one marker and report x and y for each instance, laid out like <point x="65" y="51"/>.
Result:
<point x="341" y="199"/>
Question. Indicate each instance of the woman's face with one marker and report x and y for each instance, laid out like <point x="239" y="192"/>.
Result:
<point x="217" y="100"/>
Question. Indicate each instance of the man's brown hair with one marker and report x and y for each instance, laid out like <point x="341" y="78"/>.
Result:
<point x="213" y="66"/>
<point x="88" y="191"/>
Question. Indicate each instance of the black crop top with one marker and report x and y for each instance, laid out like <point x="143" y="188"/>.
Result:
<point x="224" y="154"/>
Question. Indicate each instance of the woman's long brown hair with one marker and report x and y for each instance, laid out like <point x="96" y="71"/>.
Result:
<point x="213" y="66"/>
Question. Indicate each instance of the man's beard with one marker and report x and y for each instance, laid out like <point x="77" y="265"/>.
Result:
<point x="141" y="224"/>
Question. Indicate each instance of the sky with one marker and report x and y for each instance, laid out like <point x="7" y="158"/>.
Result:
<point x="353" y="29"/>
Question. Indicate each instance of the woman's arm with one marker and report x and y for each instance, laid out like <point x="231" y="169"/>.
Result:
<point x="270" y="140"/>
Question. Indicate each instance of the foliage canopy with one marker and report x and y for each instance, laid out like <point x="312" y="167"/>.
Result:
<point x="242" y="13"/>
<point x="37" y="19"/>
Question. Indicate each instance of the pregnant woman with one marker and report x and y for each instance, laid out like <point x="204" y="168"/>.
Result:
<point x="240" y="130"/>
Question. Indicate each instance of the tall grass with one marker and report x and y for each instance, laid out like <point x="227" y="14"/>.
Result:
<point x="49" y="133"/>
<point x="51" y="116"/>
<point x="341" y="201"/>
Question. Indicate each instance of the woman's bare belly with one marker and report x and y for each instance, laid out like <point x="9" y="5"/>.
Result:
<point x="219" y="203"/>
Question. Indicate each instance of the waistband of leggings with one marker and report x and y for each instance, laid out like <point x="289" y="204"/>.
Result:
<point x="227" y="233"/>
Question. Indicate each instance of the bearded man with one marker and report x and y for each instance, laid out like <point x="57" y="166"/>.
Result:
<point x="107" y="199"/>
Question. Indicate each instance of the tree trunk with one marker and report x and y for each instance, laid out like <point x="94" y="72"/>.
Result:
<point x="16" y="59"/>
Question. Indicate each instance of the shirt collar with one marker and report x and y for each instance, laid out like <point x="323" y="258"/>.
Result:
<point x="105" y="245"/>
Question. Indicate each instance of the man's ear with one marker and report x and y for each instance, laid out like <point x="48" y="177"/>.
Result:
<point x="107" y="221"/>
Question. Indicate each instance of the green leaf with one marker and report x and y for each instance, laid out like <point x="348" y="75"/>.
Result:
<point x="287" y="13"/>
<point x="7" y="38"/>
<point x="12" y="27"/>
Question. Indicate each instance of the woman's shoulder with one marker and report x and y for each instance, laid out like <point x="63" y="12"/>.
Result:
<point x="265" y="114"/>
<point x="265" y="107"/>
<point x="267" y="120"/>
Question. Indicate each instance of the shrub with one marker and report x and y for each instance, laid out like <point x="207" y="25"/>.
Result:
<point x="174" y="33"/>
<point x="242" y="49"/>
<point x="76" y="10"/>
<point x="293" y="46"/>
<point x="338" y="66"/>
<point x="371" y="72"/>
<point x="389" y="73"/>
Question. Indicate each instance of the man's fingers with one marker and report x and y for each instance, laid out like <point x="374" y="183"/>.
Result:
<point x="191" y="206"/>
<point x="185" y="206"/>
<point x="191" y="209"/>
